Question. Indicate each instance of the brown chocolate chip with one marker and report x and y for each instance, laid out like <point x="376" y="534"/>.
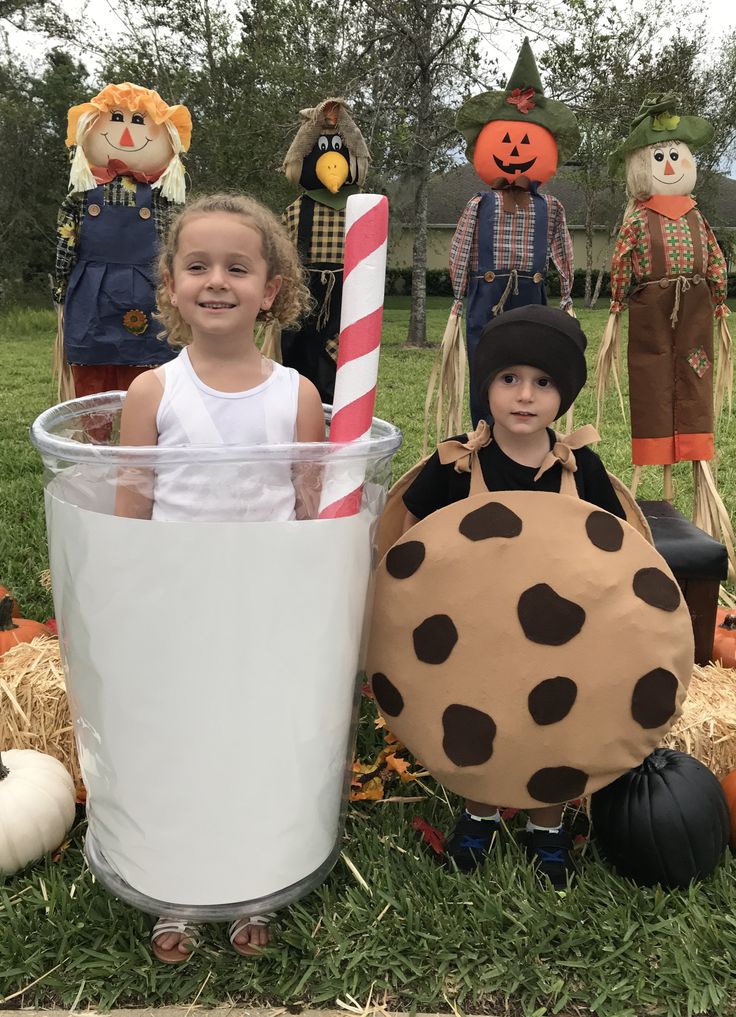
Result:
<point x="469" y="735"/>
<point x="654" y="699"/>
<point x="548" y="618"/>
<point x="434" y="639"/>
<point x="552" y="700"/>
<point x="657" y="589"/>
<point x="387" y="695"/>
<point x="403" y="560"/>
<point x="490" y="520"/>
<point x="605" y="531"/>
<point x="555" y="784"/>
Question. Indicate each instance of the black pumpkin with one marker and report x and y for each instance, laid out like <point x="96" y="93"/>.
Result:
<point x="666" y="821"/>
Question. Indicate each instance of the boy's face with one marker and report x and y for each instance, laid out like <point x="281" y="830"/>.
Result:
<point x="523" y="399"/>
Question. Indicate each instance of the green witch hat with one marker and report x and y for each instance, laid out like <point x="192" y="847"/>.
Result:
<point x="658" y="122"/>
<point x="524" y="100"/>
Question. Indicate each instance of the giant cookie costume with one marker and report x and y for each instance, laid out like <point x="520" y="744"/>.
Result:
<point x="528" y="648"/>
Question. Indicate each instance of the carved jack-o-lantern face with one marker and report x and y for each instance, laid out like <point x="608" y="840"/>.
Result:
<point x="510" y="149"/>
<point x="134" y="138"/>
<point x="673" y="168"/>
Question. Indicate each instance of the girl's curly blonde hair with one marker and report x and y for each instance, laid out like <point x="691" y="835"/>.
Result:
<point x="292" y="300"/>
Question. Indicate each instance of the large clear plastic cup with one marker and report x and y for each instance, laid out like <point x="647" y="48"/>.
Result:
<point x="211" y="661"/>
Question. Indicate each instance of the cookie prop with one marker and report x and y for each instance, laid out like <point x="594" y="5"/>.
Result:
<point x="329" y="159"/>
<point x="528" y="648"/>
<point x="670" y="274"/>
<point x="505" y="237"/>
<point x="125" y="183"/>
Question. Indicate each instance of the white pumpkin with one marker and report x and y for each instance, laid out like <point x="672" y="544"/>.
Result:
<point x="36" y="807"/>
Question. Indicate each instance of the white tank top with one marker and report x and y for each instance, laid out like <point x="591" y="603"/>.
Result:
<point x="192" y="413"/>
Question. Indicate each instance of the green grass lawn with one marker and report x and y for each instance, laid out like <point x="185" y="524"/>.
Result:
<point x="424" y="938"/>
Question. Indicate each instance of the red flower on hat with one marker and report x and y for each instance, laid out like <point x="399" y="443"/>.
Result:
<point x="524" y="101"/>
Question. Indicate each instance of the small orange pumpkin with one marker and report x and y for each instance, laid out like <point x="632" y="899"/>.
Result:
<point x="729" y="789"/>
<point x="16" y="630"/>
<point x="724" y="639"/>
<point x="510" y="149"/>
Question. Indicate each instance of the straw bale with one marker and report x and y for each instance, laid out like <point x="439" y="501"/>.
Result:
<point x="707" y="727"/>
<point x="34" y="711"/>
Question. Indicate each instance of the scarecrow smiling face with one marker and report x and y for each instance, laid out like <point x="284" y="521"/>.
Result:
<point x="511" y="149"/>
<point x="132" y="137"/>
<point x="673" y="168"/>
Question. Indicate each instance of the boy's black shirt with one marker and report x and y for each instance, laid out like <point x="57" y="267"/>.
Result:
<point x="438" y="485"/>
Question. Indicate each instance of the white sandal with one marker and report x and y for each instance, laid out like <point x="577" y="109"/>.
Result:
<point x="247" y="950"/>
<point x="189" y="933"/>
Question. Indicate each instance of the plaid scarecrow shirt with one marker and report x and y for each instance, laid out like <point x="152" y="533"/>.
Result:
<point x="327" y="243"/>
<point x="120" y="191"/>
<point x="632" y="255"/>
<point x="513" y="243"/>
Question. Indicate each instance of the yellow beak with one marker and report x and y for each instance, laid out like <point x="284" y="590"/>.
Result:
<point x="332" y="170"/>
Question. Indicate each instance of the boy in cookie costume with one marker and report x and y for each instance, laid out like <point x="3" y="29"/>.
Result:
<point x="488" y="653"/>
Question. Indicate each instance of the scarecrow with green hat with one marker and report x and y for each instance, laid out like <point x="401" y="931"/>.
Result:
<point x="668" y="255"/>
<point x="516" y="139"/>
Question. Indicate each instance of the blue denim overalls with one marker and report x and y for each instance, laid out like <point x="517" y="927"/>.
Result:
<point x="491" y="283"/>
<point x="113" y="276"/>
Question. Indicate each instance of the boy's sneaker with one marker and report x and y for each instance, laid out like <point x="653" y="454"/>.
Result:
<point x="470" y="841"/>
<point x="549" y="851"/>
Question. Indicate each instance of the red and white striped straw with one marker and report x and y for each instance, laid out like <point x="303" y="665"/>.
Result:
<point x="364" y="278"/>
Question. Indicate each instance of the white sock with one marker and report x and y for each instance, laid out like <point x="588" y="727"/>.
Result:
<point x="496" y="817"/>
<point x="547" y="829"/>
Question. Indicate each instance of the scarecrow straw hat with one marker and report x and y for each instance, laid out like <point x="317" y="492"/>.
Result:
<point x="331" y="117"/>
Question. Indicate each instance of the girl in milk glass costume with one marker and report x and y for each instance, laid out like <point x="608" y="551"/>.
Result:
<point x="228" y="263"/>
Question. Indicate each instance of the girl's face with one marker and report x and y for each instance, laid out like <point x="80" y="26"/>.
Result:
<point x="220" y="279"/>
<point x="523" y="399"/>
<point x="131" y="137"/>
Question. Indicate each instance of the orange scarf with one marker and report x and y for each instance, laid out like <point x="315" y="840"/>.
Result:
<point x="673" y="206"/>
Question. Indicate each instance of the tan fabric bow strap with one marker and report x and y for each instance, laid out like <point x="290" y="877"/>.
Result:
<point x="464" y="455"/>
<point x="562" y="452"/>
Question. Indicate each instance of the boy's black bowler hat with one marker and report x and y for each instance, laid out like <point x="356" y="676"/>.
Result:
<point x="535" y="336"/>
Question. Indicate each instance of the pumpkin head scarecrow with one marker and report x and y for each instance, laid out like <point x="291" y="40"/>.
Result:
<point x="668" y="255"/>
<point x="516" y="139"/>
<point x="329" y="159"/>
<point x="125" y="182"/>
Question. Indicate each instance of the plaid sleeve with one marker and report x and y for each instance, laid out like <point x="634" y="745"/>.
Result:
<point x="67" y="242"/>
<point x="461" y="247"/>
<point x="621" y="265"/>
<point x="290" y="218"/>
<point x="561" y="251"/>
<point x="717" y="272"/>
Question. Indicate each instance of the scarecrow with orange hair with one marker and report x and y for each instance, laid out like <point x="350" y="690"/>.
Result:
<point x="125" y="182"/>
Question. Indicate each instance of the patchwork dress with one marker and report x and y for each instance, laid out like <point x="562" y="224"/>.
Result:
<point x="680" y="274"/>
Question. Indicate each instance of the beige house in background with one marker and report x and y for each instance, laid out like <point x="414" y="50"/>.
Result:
<point x="449" y="193"/>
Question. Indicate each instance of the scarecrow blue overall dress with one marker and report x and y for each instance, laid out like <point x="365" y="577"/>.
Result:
<point x="486" y="287"/>
<point x="113" y="276"/>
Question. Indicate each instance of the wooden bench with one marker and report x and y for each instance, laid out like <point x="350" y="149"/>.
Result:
<point x="699" y="563"/>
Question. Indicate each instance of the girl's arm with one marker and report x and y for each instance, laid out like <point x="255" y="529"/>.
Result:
<point x="134" y="497"/>
<point x="310" y="426"/>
